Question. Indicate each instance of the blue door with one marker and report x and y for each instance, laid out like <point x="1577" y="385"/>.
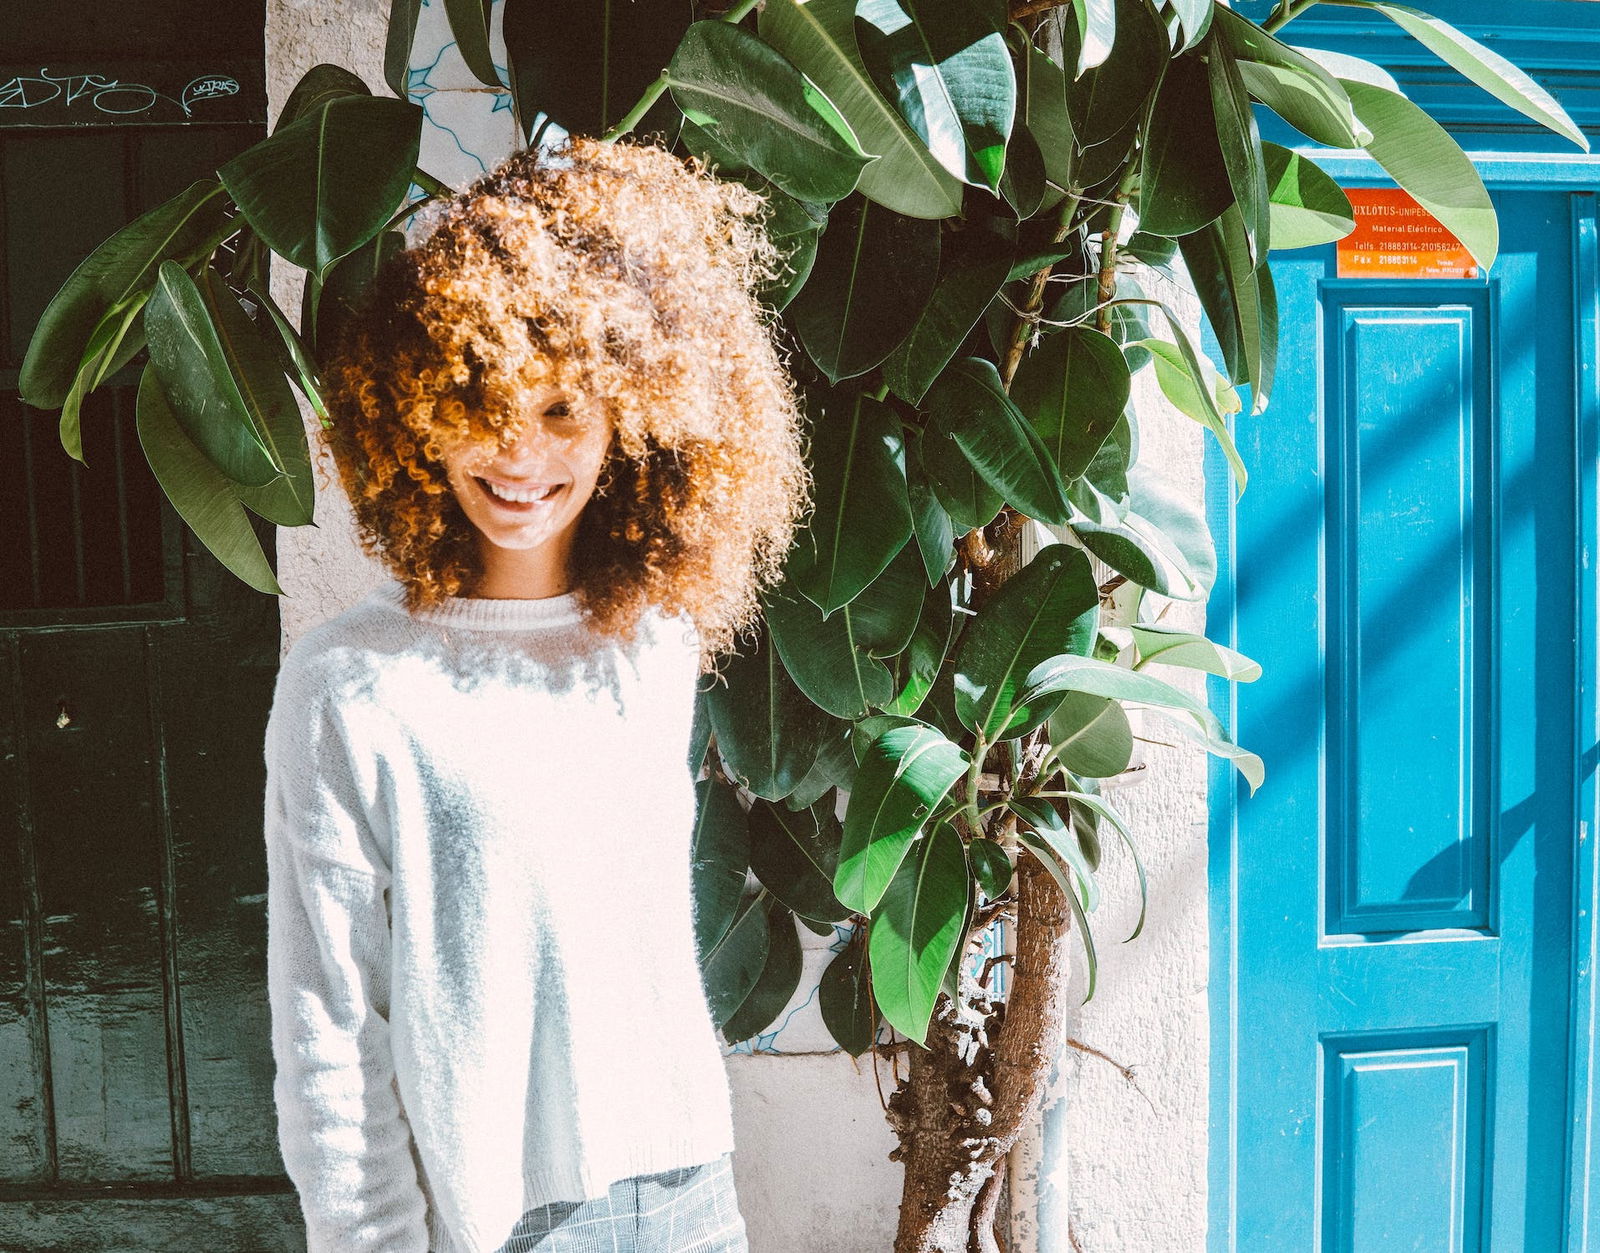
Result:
<point x="1403" y="914"/>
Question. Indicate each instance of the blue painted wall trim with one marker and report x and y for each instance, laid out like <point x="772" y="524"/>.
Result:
<point x="1558" y="41"/>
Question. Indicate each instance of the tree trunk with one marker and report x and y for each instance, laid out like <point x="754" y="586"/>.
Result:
<point x="968" y="1093"/>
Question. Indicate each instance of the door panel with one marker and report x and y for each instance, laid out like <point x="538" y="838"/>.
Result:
<point x="1402" y="914"/>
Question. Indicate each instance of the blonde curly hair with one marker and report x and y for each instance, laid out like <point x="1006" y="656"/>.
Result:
<point x="631" y="276"/>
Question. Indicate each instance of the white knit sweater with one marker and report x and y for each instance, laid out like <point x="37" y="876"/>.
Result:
<point x="481" y="960"/>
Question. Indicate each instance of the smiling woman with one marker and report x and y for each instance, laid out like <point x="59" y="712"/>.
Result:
<point x="623" y="281"/>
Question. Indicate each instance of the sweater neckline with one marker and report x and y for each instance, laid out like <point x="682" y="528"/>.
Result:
<point x="487" y="613"/>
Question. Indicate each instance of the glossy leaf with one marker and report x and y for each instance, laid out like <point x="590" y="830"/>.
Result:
<point x="1183" y="178"/>
<point x="1050" y="859"/>
<point x="1092" y="735"/>
<point x="819" y="37"/>
<point x="1073" y="388"/>
<point x="795" y="854"/>
<point x="1420" y="155"/>
<point x="200" y="493"/>
<point x="1048" y="607"/>
<point x="202" y="381"/>
<point x="968" y="405"/>
<point x="861" y="513"/>
<point x="844" y="1000"/>
<point x="400" y="38"/>
<point x="469" y="26"/>
<point x="991" y="866"/>
<point x="964" y="289"/>
<point x="1162" y="543"/>
<point x="1291" y="83"/>
<point x="116" y="277"/>
<point x="585" y="72"/>
<point x="777" y="982"/>
<point x="1239" y="301"/>
<point x="321" y="187"/>
<point x="1042" y="820"/>
<point x="1241" y="147"/>
<point x="768" y="732"/>
<point x="1172" y="647"/>
<point x="320" y="85"/>
<point x="932" y="528"/>
<point x="916" y="930"/>
<point x="1308" y="207"/>
<point x="1484" y="66"/>
<point x="765" y="111"/>
<point x="1044" y="112"/>
<point x="1106" y="98"/>
<point x="904" y="773"/>
<point x="824" y="656"/>
<point x="734" y="963"/>
<point x="720" y="857"/>
<point x="1071" y="673"/>
<point x="918" y="666"/>
<point x="948" y="71"/>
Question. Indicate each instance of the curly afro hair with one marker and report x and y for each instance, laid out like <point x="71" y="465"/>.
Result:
<point x="631" y="276"/>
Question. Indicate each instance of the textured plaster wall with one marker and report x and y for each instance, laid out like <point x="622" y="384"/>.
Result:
<point x="812" y="1168"/>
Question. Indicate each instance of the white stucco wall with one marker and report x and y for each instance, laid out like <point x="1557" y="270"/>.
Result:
<point x="812" y="1168"/>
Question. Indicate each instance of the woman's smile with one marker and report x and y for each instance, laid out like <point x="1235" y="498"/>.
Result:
<point x="523" y="498"/>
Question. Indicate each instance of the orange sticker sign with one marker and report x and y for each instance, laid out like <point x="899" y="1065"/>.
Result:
<point x="1395" y="237"/>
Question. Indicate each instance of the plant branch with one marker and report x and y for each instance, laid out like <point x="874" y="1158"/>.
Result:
<point x="654" y="92"/>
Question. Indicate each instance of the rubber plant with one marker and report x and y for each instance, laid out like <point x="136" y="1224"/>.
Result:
<point x="964" y="191"/>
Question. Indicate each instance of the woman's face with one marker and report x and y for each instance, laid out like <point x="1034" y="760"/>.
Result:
<point x="528" y="496"/>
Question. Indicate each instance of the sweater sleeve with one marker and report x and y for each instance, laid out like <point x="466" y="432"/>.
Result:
<point x="343" y="1134"/>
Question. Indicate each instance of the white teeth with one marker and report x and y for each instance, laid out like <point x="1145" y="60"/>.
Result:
<point x="521" y="498"/>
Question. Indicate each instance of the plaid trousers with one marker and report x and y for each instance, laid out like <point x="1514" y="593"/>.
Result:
<point x="691" y="1209"/>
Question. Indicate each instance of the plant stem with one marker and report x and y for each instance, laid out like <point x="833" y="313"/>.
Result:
<point x="654" y="92"/>
<point x="1286" y="14"/>
<point x="1020" y="332"/>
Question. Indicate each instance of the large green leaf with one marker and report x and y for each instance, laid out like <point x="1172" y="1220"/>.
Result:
<point x="819" y="37"/>
<point x="1484" y="66"/>
<point x="946" y="68"/>
<point x="776" y="984"/>
<point x="1072" y="673"/>
<point x="904" y="773"/>
<point x="217" y="396"/>
<point x="1241" y="146"/>
<point x="1044" y="104"/>
<point x="734" y="964"/>
<point x="968" y="405"/>
<point x="979" y="267"/>
<point x="1308" y="207"/>
<point x="324" y="185"/>
<point x="318" y="86"/>
<point x="1172" y="647"/>
<point x="768" y="732"/>
<point x="964" y="494"/>
<point x="918" y="666"/>
<point x="1048" y="607"/>
<point x="1042" y="819"/>
<point x="1073" y="388"/>
<point x="845" y="1002"/>
<point x="1092" y="735"/>
<point x="795" y="854"/>
<point x="861" y="514"/>
<point x="469" y="25"/>
<point x="198" y="491"/>
<point x="1183" y="180"/>
<point x="1239" y="300"/>
<point x="585" y="65"/>
<point x="116" y="277"/>
<point x="327" y="306"/>
<point x="1162" y="543"/>
<point x="1290" y="83"/>
<point x="875" y="272"/>
<point x="1181" y="388"/>
<point x="825" y="657"/>
<point x="765" y="111"/>
<point x="917" y="929"/>
<point x="719" y="859"/>
<point x="1420" y="155"/>
<point x="1108" y="97"/>
<point x="398" y="42"/>
<point x="932" y="528"/>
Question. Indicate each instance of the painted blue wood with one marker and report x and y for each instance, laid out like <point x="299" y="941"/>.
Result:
<point x="1399" y="943"/>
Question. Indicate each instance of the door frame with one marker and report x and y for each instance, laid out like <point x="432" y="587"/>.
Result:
<point x="1498" y="150"/>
